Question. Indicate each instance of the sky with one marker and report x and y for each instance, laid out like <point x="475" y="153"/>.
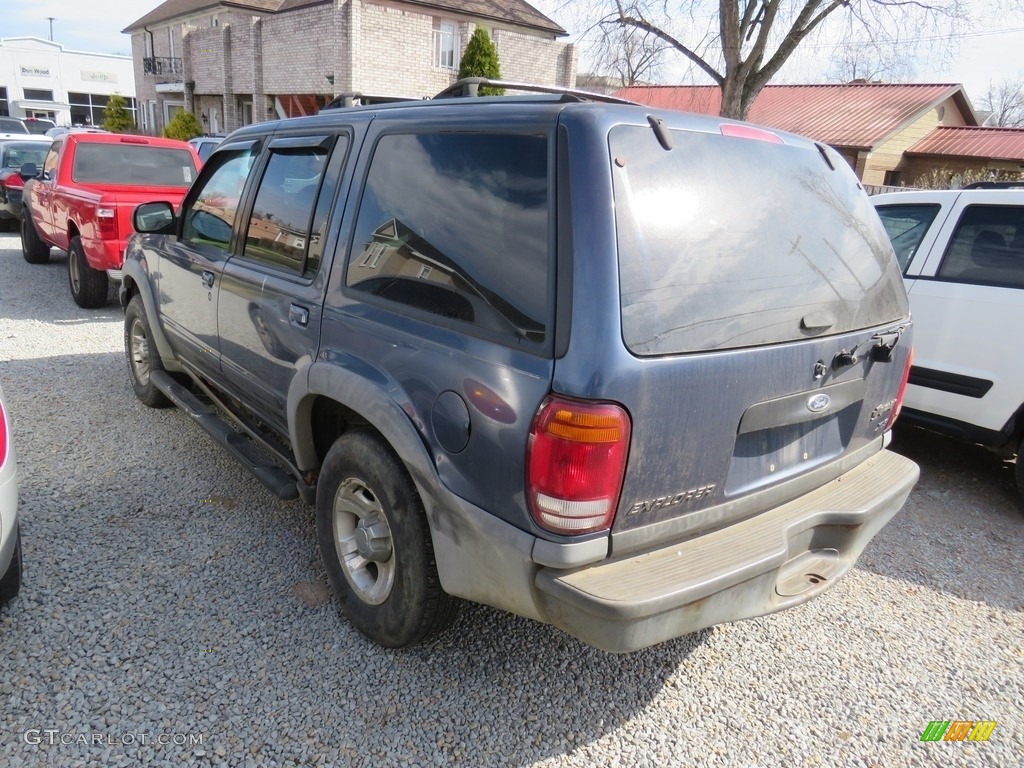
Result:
<point x="993" y="51"/>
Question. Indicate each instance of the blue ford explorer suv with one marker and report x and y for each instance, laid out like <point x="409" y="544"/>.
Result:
<point x="626" y="371"/>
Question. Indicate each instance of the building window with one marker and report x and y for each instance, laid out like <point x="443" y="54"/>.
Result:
<point x="38" y="94"/>
<point x="88" y="108"/>
<point x="4" y="112"/>
<point x="892" y="178"/>
<point x="446" y="43"/>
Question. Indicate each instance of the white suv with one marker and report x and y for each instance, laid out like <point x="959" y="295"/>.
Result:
<point x="962" y="256"/>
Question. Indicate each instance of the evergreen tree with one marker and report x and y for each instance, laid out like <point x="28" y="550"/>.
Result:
<point x="116" y="117"/>
<point x="481" y="60"/>
<point x="183" y="126"/>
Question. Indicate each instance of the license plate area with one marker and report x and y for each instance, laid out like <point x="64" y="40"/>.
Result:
<point x="776" y="453"/>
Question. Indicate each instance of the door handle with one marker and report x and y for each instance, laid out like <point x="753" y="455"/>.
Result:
<point x="298" y="315"/>
<point x="208" y="278"/>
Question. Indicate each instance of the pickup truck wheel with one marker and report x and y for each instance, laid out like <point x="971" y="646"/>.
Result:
<point x="88" y="286"/>
<point x="375" y="544"/>
<point x="142" y="355"/>
<point x="10" y="583"/>
<point x="33" y="248"/>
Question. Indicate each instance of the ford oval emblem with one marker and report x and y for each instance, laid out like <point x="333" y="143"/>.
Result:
<point x="819" y="403"/>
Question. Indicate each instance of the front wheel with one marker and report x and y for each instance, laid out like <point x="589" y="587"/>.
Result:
<point x="88" y="285"/>
<point x="143" y="358"/>
<point x="33" y="248"/>
<point x="376" y="546"/>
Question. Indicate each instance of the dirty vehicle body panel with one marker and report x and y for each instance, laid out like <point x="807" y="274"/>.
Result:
<point x="746" y="370"/>
<point x="90" y="183"/>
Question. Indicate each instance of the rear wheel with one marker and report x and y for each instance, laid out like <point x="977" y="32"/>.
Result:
<point x="88" y="286"/>
<point x="33" y="248"/>
<point x="143" y="358"/>
<point x="10" y="582"/>
<point x="376" y="545"/>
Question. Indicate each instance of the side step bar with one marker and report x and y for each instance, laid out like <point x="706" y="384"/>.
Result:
<point x="277" y="481"/>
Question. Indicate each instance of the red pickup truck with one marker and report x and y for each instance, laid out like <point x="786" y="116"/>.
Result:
<point x="82" y="200"/>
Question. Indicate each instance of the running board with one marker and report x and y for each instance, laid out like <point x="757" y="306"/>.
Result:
<point x="277" y="481"/>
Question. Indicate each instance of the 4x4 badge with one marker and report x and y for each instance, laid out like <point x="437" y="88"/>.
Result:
<point x="819" y="402"/>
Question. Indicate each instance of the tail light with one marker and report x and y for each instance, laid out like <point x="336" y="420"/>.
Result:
<point x="742" y="131"/>
<point x="4" y="436"/>
<point x="107" y="218"/>
<point x="902" y="391"/>
<point x="575" y="463"/>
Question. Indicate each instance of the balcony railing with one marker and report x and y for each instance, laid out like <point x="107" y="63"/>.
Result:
<point x="162" y="65"/>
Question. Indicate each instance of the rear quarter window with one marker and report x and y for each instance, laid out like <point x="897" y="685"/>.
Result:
<point x="906" y="226"/>
<point x="455" y="225"/>
<point x="729" y="242"/>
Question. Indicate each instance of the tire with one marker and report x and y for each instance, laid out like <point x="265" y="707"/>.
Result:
<point x="89" y="286"/>
<point x="142" y="355"/>
<point x="375" y="544"/>
<point x="10" y="583"/>
<point x="33" y="248"/>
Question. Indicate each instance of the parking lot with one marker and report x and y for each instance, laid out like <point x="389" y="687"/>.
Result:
<point x="175" y="613"/>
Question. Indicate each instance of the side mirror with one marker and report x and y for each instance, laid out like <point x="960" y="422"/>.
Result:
<point x="154" y="218"/>
<point x="28" y="171"/>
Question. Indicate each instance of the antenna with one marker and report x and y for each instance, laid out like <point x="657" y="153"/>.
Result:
<point x="51" y="19"/>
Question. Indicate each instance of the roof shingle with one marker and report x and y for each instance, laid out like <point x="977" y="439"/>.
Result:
<point x="855" y="115"/>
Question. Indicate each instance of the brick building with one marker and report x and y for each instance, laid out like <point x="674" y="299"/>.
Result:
<point x="242" y="61"/>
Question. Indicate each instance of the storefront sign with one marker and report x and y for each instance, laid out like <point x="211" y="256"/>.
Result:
<point x="35" y="71"/>
<point x="99" y="77"/>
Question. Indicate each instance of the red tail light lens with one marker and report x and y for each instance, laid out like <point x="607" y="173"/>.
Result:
<point x="107" y="218"/>
<point x="902" y="391"/>
<point x="575" y="463"/>
<point x="14" y="181"/>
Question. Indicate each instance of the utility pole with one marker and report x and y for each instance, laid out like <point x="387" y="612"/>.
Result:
<point x="51" y="20"/>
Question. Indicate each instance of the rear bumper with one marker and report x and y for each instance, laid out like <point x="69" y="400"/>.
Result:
<point x="778" y="559"/>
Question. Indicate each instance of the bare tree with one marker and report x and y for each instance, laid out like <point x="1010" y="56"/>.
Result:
<point x="863" y="62"/>
<point x="1005" y="102"/>
<point x="630" y="55"/>
<point x="745" y="43"/>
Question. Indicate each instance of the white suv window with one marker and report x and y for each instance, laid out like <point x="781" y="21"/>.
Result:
<point x="987" y="247"/>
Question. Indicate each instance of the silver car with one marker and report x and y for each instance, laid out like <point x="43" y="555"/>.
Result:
<point x="10" y="535"/>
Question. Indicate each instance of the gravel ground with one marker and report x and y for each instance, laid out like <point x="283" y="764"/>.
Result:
<point x="176" y="614"/>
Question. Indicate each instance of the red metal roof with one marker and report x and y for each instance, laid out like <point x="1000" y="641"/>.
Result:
<point x="856" y="115"/>
<point x="968" y="141"/>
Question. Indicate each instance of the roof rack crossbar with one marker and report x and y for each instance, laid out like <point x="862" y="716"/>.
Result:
<point x="470" y="86"/>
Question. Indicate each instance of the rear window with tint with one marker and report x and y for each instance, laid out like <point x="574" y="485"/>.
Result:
<point x="133" y="165"/>
<point x="730" y="242"/>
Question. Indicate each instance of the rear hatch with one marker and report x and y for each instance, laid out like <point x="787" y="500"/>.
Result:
<point x="763" y="315"/>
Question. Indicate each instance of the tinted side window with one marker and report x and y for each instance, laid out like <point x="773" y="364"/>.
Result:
<point x="457" y="225"/>
<point x="987" y="247"/>
<point x="906" y="226"/>
<point x="210" y="216"/>
<point x="278" y="231"/>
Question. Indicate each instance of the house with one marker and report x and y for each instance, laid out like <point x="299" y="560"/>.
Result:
<point x="236" y="62"/>
<point x="890" y="134"/>
<point x="40" y="78"/>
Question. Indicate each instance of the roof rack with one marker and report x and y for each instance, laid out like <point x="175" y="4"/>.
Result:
<point x="995" y="185"/>
<point x="357" y="99"/>
<point x="470" y="86"/>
